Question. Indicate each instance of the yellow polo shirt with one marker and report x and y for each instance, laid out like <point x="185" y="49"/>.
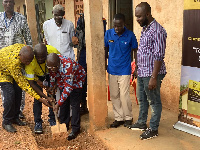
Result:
<point x="10" y="68"/>
<point x="34" y="69"/>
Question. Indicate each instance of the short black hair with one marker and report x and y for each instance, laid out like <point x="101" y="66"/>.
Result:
<point x="119" y="16"/>
<point x="145" y="6"/>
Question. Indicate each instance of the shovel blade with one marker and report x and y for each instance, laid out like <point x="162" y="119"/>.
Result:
<point x="58" y="128"/>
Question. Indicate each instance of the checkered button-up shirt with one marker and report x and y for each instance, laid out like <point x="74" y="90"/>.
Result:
<point x="152" y="47"/>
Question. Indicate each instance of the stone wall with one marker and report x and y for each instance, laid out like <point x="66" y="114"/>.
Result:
<point x="170" y="15"/>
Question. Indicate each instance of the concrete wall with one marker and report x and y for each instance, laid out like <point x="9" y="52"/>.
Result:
<point x="170" y="15"/>
<point x="19" y="4"/>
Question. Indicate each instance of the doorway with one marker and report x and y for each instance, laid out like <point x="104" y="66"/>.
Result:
<point x="122" y="6"/>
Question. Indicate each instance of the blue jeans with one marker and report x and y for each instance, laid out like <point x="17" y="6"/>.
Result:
<point x="148" y="97"/>
<point x="37" y="106"/>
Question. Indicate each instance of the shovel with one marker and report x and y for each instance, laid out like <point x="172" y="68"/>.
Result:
<point x="58" y="128"/>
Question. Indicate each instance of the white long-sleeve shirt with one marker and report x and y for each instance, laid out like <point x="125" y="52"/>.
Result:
<point x="60" y="37"/>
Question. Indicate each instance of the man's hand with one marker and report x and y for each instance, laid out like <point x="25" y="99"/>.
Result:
<point x="51" y="90"/>
<point x="75" y="40"/>
<point x="55" y="109"/>
<point x="45" y="102"/>
<point x="135" y="74"/>
<point x="152" y="83"/>
<point x="50" y="100"/>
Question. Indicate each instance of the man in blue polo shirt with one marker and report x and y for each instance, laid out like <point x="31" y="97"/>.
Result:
<point x="119" y="41"/>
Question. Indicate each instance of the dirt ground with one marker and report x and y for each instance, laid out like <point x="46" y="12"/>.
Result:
<point x="109" y="139"/>
<point x="25" y="138"/>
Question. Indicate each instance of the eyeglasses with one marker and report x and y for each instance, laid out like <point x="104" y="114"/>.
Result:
<point x="54" y="67"/>
<point x="59" y="17"/>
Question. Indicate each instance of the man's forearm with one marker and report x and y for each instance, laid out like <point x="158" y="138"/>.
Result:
<point x="156" y="68"/>
<point x="37" y="90"/>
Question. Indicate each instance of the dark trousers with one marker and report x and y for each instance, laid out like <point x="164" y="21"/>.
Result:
<point x="12" y="95"/>
<point x="74" y="101"/>
<point x="37" y="108"/>
<point x="84" y="94"/>
<point x="82" y="62"/>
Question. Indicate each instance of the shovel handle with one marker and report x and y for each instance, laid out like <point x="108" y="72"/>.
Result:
<point x="56" y="117"/>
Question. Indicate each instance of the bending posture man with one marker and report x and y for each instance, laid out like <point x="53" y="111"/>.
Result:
<point x="120" y="42"/>
<point x="151" y="70"/>
<point x="12" y="81"/>
<point x="58" y="33"/>
<point x="37" y="75"/>
<point x="14" y="29"/>
<point x="67" y="75"/>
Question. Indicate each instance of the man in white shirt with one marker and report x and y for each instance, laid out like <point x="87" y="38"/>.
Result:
<point x="58" y="32"/>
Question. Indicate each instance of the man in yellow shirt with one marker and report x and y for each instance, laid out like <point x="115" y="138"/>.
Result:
<point x="12" y="82"/>
<point x="37" y="75"/>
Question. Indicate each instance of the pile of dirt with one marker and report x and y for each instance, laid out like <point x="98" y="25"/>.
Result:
<point x="25" y="138"/>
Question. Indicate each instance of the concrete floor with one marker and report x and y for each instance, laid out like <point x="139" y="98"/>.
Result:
<point x="122" y="138"/>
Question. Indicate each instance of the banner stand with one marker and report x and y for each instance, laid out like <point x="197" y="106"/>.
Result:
<point x="189" y="100"/>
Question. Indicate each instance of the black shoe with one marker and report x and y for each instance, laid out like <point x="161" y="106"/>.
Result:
<point x="73" y="135"/>
<point x="116" y="124"/>
<point x="21" y="115"/>
<point x="148" y="134"/>
<point x="9" y="128"/>
<point x="38" y="128"/>
<point x="137" y="126"/>
<point x="84" y="110"/>
<point x="18" y="122"/>
<point x="128" y="122"/>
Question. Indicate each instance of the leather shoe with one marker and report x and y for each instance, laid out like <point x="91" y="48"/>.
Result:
<point x="116" y="124"/>
<point x="18" y="122"/>
<point x="128" y="123"/>
<point x="9" y="128"/>
<point x="73" y="135"/>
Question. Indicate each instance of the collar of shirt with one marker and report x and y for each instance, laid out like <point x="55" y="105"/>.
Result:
<point x="124" y="34"/>
<point x="148" y="27"/>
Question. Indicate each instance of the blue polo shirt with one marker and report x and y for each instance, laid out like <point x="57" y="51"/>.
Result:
<point x="119" y="60"/>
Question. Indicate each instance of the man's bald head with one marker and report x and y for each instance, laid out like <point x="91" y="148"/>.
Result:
<point x="26" y="55"/>
<point x="145" y="6"/>
<point x="40" y="51"/>
<point x="53" y="62"/>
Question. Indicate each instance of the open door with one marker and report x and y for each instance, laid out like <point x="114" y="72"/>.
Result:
<point x="124" y="7"/>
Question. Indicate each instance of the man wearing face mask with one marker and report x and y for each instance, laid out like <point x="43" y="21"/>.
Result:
<point x="151" y="70"/>
<point x="120" y="42"/>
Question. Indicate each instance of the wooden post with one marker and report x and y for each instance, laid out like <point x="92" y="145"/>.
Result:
<point x="96" y="75"/>
<point x="31" y="19"/>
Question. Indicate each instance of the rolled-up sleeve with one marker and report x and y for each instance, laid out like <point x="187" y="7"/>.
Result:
<point x="159" y="45"/>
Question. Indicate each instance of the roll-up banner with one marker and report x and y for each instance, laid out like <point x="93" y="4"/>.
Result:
<point x="189" y="104"/>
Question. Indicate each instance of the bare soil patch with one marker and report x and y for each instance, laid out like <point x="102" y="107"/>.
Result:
<point x="25" y="138"/>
